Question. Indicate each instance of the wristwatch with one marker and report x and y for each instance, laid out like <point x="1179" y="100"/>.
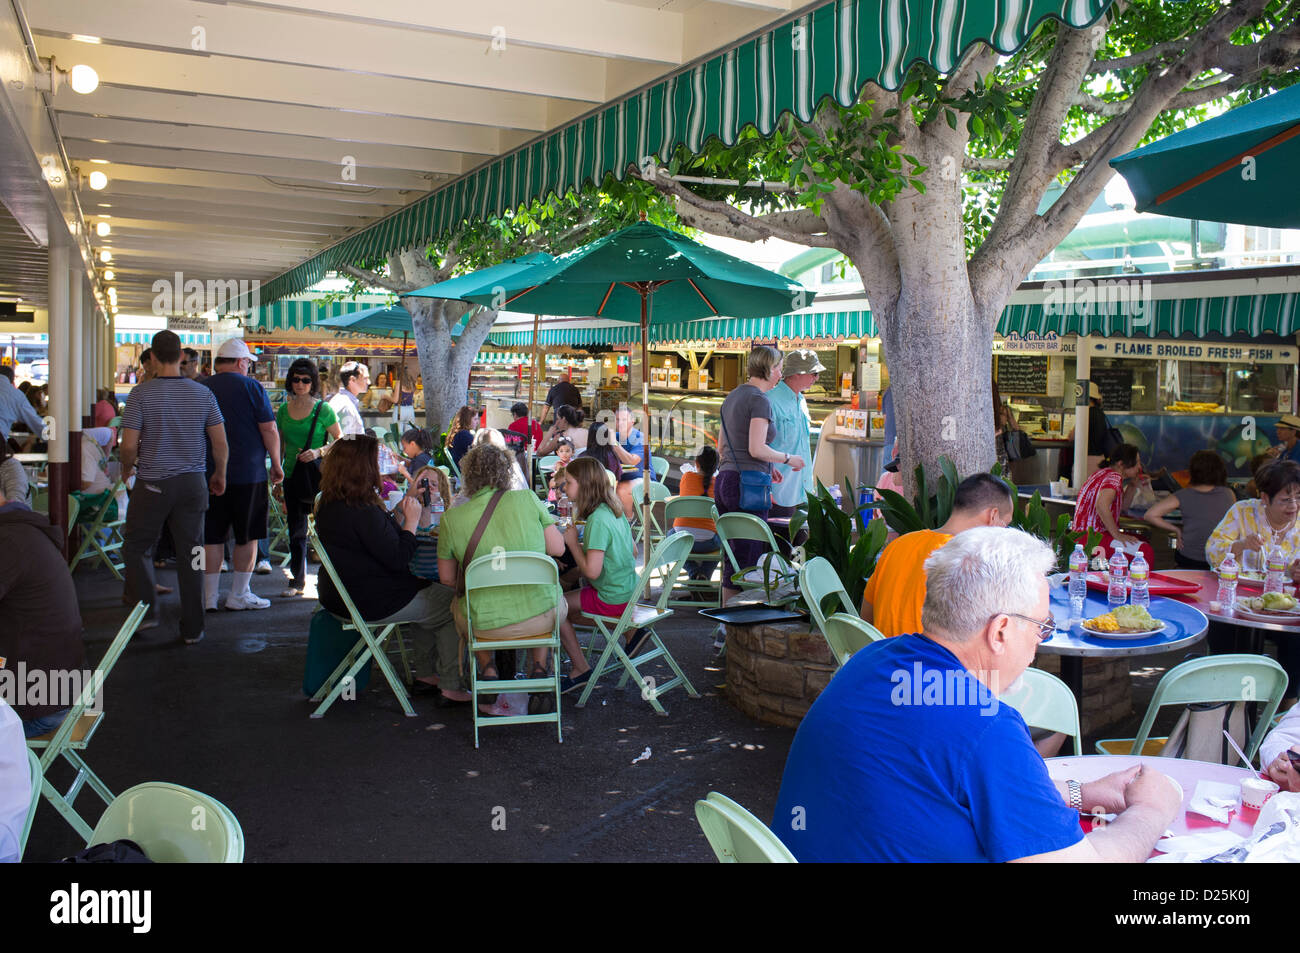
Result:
<point x="1076" y="795"/>
<point x="787" y="458"/>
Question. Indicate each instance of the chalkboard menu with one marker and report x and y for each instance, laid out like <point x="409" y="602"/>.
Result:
<point x="1116" y="386"/>
<point x="828" y="380"/>
<point x="1022" y="374"/>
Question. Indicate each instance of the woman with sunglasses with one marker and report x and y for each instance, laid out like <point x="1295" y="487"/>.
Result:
<point x="294" y="420"/>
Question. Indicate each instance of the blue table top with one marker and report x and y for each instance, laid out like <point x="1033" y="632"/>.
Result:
<point x="1184" y="625"/>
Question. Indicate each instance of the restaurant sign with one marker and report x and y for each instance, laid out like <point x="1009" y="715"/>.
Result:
<point x="1171" y="350"/>
<point x="1031" y="342"/>
<point x="187" y="323"/>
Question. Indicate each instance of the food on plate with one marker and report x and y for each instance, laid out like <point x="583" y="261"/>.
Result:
<point x="1272" y="601"/>
<point x="1251" y="575"/>
<point x="1123" y="619"/>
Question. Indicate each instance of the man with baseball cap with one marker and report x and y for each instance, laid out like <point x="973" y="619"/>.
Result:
<point x="1288" y="435"/>
<point x="793" y="428"/>
<point x="251" y="434"/>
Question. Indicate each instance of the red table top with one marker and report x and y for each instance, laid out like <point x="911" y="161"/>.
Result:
<point x="1208" y="591"/>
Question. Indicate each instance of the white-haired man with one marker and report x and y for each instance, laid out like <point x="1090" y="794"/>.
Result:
<point x="907" y="755"/>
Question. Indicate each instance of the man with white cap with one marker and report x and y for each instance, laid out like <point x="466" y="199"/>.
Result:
<point x="793" y="429"/>
<point x="251" y="434"/>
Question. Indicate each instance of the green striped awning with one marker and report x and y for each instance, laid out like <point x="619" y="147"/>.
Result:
<point x="1225" y="316"/>
<point x="831" y="51"/>
<point x="834" y="325"/>
<point x="146" y="338"/>
<point x="300" y="314"/>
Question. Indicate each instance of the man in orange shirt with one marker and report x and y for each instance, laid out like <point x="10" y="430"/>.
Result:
<point x="896" y="590"/>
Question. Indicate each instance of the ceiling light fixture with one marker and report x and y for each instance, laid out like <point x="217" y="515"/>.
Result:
<point x="98" y="180"/>
<point x="102" y="229"/>
<point x="109" y="274"/>
<point x="106" y="256"/>
<point x="82" y="78"/>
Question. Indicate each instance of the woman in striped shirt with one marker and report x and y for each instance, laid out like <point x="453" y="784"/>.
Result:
<point x="1103" y="497"/>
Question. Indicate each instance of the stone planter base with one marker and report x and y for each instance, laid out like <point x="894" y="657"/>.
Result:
<point x="776" y="671"/>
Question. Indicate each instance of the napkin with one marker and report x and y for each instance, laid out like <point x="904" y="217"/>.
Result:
<point x="1214" y="799"/>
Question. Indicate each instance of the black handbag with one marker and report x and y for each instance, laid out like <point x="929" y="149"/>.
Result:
<point x="1018" y="445"/>
<point x="304" y="481"/>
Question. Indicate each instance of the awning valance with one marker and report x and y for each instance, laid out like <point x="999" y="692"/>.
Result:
<point x="299" y="314"/>
<point x="146" y="338"/>
<point x="831" y="51"/>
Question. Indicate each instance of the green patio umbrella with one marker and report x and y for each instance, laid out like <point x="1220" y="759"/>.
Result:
<point x="624" y="276"/>
<point x="1237" y="167"/>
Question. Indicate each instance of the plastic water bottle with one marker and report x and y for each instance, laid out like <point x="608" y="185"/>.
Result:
<point x="436" y="509"/>
<point x="1227" y="584"/>
<point x="1275" y="569"/>
<point x="1139" y="578"/>
<point x="1117" y="591"/>
<point x="1078" y="581"/>
<point x="563" y="510"/>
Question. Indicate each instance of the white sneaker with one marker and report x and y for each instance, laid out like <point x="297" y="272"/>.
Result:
<point x="249" y="600"/>
<point x="225" y="566"/>
<point x="263" y="568"/>
<point x="211" y="605"/>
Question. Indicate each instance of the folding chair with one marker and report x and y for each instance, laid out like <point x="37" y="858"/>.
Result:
<point x="685" y="591"/>
<point x="369" y="646"/>
<point x="544" y="467"/>
<point x="737" y="836"/>
<point x="164" y="820"/>
<point x="513" y="569"/>
<point x="660" y="467"/>
<point x="1213" y="678"/>
<point x="1044" y="701"/>
<point x="818" y="581"/>
<point x="94" y="520"/>
<point x="77" y="730"/>
<point x="34" y="769"/>
<point x="455" y="470"/>
<point x="654" y="529"/>
<point x="669" y="556"/>
<point x="733" y="526"/>
<point x="846" y="633"/>
<point x="278" y="527"/>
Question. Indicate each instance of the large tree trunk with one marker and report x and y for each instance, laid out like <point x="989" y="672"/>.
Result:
<point x="445" y="361"/>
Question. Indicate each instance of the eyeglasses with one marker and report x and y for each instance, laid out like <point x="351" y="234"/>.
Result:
<point x="300" y="380"/>
<point x="1046" y="628"/>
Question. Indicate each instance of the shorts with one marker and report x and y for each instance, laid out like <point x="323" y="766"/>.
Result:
<point x="242" y="508"/>
<point x="592" y="604"/>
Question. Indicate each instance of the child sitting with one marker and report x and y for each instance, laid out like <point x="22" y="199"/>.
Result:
<point x="432" y="488"/>
<point x="605" y="557"/>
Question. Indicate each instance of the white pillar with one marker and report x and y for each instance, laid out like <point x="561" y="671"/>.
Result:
<point x="76" y="348"/>
<point x="90" y="362"/>
<point x="60" y="407"/>
<point x="1082" y="370"/>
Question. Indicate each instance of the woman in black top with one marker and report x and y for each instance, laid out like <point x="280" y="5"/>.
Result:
<point x="371" y="554"/>
<point x="460" y="435"/>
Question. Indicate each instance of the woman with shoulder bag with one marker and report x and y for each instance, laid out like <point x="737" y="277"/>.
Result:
<point x="305" y="423"/>
<point x="745" y="478"/>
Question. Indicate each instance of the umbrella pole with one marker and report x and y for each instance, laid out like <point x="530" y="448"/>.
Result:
<point x="646" y="468"/>
<point x="532" y="393"/>
<point x="401" y="373"/>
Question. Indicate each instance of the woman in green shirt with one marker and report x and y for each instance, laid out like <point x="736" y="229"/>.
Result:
<point x="294" y="422"/>
<point x="606" y="557"/>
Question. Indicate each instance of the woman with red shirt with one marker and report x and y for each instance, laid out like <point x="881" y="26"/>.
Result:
<point x="1103" y="497"/>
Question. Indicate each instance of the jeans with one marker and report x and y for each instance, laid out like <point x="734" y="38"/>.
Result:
<point x="44" y="724"/>
<point x="433" y="632"/>
<point x="701" y="570"/>
<point x="180" y="502"/>
<point x="726" y="496"/>
<point x="296" y="512"/>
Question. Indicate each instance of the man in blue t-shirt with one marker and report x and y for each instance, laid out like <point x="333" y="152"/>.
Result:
<point x="908" y="756"/>
<point x="251" y="434"/>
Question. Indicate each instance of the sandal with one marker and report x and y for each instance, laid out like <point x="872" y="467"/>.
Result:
<point x="540" y="703"/>
<point x="483" y="699"/>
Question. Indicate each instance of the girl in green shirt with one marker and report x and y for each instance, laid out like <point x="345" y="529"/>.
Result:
<point x="606" y="558"/>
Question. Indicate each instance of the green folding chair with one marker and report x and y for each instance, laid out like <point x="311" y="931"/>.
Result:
<point x="818" y="581"/>
<point x="660" y="467"/>
<point x="846" y="633"/>
<point x="513" y="569"/>
<point x="1213" y="678"/>
<point x="544" y="467"/>
<point x="694" y="593"/>
<point x="738" y="526"/>
<point x="737" y="836"/>
<point x="278" y="528"/>
<point x="455" y="472"/>
<point x="369" y="646"/>
<point x="666" y="560"/>
<point x="172" y="825"/>
<point x="78" y="728"/>
<point x="92" y="520"/>
<point x="1044" y="701"/>
<point x="654" y="529"/>
<point x="34" y="769"/>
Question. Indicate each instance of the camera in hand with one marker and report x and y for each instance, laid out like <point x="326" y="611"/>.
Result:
<point x="426" y="498"/>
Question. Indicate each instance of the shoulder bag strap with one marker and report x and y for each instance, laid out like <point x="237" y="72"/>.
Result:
<point x="474" y="539"/>
<point x="311" y="431"/>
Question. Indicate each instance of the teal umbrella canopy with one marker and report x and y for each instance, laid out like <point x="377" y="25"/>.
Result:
<point x="609" y="277"/>
<point x="386" y="320"/>
<point x="462" y="285"/>
<point x="1238" y="167"/>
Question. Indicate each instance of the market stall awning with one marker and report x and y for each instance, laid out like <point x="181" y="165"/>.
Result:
<point x="146" y="338"/>
<point x="1221" y="316"/>
<point x="833" y="50"/>
<point x="300" y="314"/>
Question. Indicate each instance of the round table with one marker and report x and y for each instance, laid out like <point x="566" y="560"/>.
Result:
<point x="1186" y="773"/>
<point x="1185" y="625"/>
<point x="1209" y="591"/>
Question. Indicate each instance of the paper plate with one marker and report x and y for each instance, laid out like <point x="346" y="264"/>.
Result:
<point x="1120" y="636"/>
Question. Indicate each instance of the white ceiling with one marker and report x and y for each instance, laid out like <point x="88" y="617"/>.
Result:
<point x="225" y="127"/>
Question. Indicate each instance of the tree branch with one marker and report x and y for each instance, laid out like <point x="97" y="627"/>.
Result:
<point x="1152" y="55"/>
<point x="986" y="163"/>
<point x="373" y="278"/>
<point x="725" y="219"/>
<point x="979" y="60"/>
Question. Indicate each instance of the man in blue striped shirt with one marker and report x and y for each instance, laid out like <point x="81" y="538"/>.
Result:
<point x="14" y="406"/>
<point x="163" y="427"/>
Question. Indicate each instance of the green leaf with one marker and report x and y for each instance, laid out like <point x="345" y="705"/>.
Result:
<point x="951" y="117"/>
<point x="975" y="124"/>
